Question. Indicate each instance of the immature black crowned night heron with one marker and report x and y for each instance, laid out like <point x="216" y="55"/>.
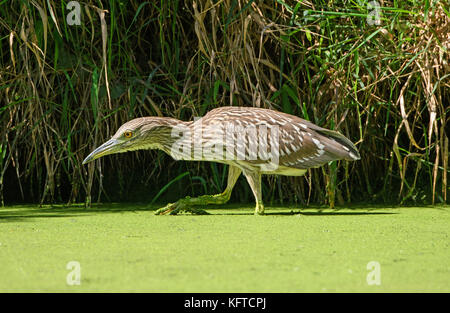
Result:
<point x="252" y="141"/>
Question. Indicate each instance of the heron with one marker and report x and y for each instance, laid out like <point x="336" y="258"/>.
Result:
<point x="251" y="141"/>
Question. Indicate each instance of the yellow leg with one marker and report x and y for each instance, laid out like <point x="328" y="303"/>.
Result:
<point x="187" y="203"/>
<point x="254" y="180"/>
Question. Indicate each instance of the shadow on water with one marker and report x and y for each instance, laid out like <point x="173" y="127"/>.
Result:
<point x="336" y="213"/>
<point x="307" y="211"/>
<point x="16" y="213"/>
<point x="27" y="212"/>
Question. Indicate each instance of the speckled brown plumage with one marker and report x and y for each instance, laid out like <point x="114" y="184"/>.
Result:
<point x="251" y="140"/>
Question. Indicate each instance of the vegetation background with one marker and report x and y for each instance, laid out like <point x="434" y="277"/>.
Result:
<point x="378" y="72"/>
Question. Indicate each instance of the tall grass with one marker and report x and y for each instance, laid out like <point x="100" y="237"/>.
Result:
<point x="65" y="88"/>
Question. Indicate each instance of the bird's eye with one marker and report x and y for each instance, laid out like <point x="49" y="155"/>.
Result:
<point x="128" y="134"/>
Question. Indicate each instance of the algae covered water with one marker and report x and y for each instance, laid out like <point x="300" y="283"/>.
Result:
<point x="127" y="248"/>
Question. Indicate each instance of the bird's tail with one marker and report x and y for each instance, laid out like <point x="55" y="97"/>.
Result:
<point x="350" y="152"/>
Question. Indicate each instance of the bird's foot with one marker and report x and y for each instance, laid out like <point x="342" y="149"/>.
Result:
<point x="259" y="209"/>
<point x="168" y="209"/>
<point x="187" y="204"/>
<point x="178" y="207"/>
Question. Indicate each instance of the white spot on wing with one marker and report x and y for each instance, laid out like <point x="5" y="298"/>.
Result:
<point x="318" y="143"/>
<point x="353" y="156"/>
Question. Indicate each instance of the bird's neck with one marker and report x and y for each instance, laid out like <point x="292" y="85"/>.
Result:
<point x="170" y="133"/>
<point x="179" y="139"/>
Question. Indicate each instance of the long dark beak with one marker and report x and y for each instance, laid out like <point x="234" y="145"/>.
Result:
<point x="106" y="148"/>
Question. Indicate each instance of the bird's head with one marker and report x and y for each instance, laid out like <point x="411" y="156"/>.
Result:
<point x="139" y="133"/>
